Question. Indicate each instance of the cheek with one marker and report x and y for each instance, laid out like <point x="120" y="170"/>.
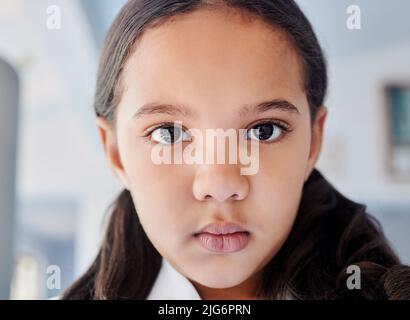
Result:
<point x="277" y="188"/>
<point x="161" y="194"/>
<point x="284" y="164"/>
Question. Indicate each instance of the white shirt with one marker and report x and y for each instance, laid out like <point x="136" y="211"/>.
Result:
<point x="172" y="285"/>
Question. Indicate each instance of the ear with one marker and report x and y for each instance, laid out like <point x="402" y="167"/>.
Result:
<point x="109" y="141"/>
<point x="316" y="140"/>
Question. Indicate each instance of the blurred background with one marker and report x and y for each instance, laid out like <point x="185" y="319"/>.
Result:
<point x="55" y="185"/>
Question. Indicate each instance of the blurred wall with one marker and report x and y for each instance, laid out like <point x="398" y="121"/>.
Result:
<point x="61" y="160"/>
<point x="9" y="94"/>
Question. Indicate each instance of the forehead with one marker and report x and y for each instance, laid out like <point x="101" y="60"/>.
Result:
<point x="213" y="56"/>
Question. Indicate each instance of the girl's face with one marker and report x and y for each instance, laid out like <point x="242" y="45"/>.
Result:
<point x="213" y="63"/>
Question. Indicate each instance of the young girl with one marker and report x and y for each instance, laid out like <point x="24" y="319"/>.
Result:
<point x="206" y="231"/>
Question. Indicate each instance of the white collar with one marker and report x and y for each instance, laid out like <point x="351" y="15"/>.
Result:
<point x="172" y="285"/>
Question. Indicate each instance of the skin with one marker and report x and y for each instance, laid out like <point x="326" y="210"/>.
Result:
<point x="214" y="62"/>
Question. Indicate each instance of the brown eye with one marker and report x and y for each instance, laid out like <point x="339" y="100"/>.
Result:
<point x="264" y="132"/>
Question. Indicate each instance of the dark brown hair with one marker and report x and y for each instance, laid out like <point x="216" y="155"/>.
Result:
<point x="330" y="233"/>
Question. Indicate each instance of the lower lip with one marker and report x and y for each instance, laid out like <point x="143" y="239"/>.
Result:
<point x="223" y="242"/>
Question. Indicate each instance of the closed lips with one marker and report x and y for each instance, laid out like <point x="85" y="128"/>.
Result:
<point x="223" y="243"/>
<point x="226" y="238"/>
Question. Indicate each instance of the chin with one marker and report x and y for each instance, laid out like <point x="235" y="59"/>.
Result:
<point x="222" y="280"/>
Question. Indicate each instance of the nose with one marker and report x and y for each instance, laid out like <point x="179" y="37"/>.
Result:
<point x="220" y="182"/>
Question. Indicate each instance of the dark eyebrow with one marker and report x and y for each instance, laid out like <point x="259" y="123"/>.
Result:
<point x="158" y="108"/>
<point x="154" y="108"/>
<point x="277" y="104"/>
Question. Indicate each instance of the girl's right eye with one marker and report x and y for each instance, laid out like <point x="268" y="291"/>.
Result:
<point x="169" y="134"/>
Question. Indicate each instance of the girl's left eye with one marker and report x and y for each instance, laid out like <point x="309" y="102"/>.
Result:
<point x="267" y="131"/>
